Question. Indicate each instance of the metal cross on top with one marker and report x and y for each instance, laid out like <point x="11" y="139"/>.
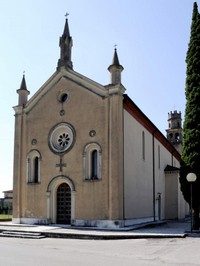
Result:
<point x="61" y="164"/>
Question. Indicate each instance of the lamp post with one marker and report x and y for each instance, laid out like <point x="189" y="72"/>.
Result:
<point x="191" y="178"/>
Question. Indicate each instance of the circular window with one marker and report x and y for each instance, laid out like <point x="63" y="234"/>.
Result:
<point x="61" y="138"/>
<point x="62" y="97"/>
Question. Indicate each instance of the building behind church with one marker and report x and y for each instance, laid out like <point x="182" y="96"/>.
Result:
<point x="86" y="155"/>
<point x="6" y="202"/>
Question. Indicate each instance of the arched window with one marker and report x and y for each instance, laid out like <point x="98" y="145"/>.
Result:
<point x="36" y="169"/>
<point x="92" y="162"/>
<point x="33" y="167"/>
<point x="177" y="137"/>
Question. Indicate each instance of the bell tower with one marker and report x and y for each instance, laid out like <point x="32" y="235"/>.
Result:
<point x="175" y="131"/>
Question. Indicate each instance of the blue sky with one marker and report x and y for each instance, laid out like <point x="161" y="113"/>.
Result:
<point x="151" y="35"/>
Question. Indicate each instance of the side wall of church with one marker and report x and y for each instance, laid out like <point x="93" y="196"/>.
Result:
<point x="145" y="159"/>
<point x="138" y="186"/>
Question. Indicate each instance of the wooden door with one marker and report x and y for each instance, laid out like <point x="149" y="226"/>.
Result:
<point x="64" y="204"/>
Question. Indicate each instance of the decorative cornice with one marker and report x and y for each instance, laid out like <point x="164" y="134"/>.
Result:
<point x="70" y="75"/>
<point x="18" y="109"/>
<point x="116" y="89"/>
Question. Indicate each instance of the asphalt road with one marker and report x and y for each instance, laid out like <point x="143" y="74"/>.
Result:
<point x="70" y="252"/>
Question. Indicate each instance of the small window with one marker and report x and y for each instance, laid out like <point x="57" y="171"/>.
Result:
<point x="36" y="169"/>
<point x="33" y="167"/>
<point x="92" y="162"/>
<point x="63" y="97"/>
<point x="177" y="137"/>
<point x="94" y="165"/>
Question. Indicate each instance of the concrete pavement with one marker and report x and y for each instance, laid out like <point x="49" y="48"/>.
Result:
<point x="164" y="229"/>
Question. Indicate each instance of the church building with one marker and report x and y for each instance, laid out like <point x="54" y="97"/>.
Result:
<point x="86" y="155"/>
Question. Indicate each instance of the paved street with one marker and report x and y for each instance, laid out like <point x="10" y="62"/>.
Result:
<point x="71" y="252"/>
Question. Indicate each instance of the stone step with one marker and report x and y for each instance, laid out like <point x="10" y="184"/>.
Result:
<point x="22" y="234"/>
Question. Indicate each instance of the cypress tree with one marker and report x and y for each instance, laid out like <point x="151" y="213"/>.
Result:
<point x="191" y="139"/>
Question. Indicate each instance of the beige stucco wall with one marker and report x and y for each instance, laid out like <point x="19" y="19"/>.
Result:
<point x="171" y="201"/>
<point x="85" y="111"/>
<point x="174" y="198"/>
<point x="138" y="188"/>
<point x="141" y="198"/>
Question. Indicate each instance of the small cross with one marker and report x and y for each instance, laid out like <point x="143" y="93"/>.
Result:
<point x="61" y="164"/>
<point x="115" y="46"/>
<point x="66" y="15"/>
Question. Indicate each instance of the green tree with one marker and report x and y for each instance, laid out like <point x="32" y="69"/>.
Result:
<point x="191" y="139"/>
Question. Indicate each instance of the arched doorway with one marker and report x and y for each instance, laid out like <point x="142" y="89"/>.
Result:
<point x="61" y="198"/>
<point x="63" y="204"/>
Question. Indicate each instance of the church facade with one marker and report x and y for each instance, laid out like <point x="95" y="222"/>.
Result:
<point x="86" y="155"/>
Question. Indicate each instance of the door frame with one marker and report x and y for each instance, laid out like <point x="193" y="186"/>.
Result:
<point x="52" y="197"/>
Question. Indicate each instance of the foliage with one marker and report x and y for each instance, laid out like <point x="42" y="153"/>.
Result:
<point x="191" y="139"/>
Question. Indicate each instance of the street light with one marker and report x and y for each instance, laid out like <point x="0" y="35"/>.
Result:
<point x="191" y="178"/>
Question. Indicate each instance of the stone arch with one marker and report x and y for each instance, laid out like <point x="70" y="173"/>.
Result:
<point x="33" y="166"/>
<point x="88" y="162"/>
<point x="52" y="196"/>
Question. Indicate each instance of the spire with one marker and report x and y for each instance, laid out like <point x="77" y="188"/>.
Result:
<point x="23" y="92"/>
<point x="115" y="69"/>
<point x="66" y="28"/>
<point x="65" y="48"/>
<point x="115" y="58"/>
<point x="23" y="83"/>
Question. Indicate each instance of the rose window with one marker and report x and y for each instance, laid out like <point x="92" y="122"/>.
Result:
<point x="61" y="138"/>
<point x="64" y="140"/>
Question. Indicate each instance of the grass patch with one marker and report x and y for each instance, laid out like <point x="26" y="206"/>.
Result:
<point x="4" y="217"/>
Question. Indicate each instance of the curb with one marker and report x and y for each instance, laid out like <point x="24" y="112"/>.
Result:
<point x="21" y="230"/>
<point x="90" y="236"/>
<point x="110" y="237"/>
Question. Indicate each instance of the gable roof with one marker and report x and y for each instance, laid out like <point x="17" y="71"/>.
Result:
<point x="135" y="111"/>
<point x="69" y="74"/>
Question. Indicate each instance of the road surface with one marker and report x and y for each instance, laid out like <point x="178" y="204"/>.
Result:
<point x="73" y="252"/>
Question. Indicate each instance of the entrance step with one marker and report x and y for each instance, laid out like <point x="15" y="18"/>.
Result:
<point x="22" y="234"/>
